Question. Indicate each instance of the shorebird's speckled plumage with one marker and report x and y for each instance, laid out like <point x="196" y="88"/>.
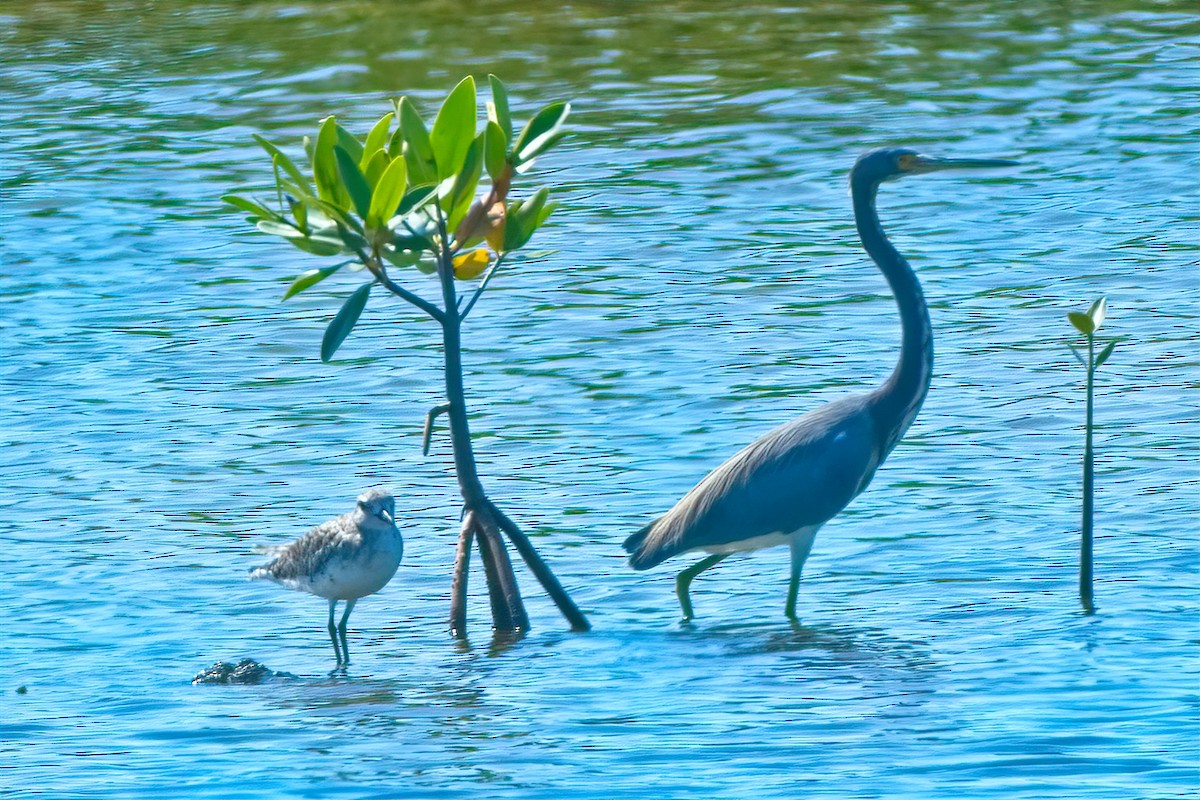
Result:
<point x="345" y="558"/>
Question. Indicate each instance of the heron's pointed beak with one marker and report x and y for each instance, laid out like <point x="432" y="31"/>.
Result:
<point x="934" y="164"/>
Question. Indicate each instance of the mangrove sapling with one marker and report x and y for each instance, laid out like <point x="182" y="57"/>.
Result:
<point x="408" y="198"/>
<point x="1087" y="324"/>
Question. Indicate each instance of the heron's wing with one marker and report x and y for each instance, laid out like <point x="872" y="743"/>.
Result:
<point x="799" y="475"/>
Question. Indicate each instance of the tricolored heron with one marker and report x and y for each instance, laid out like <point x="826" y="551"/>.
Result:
<point x="786" y="485"/>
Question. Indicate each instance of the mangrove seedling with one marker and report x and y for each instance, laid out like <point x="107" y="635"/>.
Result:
<point x="405" y="199"/>
<point x="1087" y="324"/>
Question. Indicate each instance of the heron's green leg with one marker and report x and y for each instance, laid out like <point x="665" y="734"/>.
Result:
<point x="793" y="591"/>
<point x="801" y="544"/>
<point x="333" y="633"/>
<point x="687" y="576"/>
<point x="342" y="630"/>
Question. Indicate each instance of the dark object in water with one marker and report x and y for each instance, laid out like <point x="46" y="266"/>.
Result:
<point x="245" y="671"/>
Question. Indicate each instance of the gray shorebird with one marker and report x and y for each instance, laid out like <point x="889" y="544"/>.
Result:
<point x="785" y="486"/>
<point x="345" y="558"/>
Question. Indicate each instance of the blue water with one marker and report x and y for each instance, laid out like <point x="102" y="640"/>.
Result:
<point x="162" y="412"/>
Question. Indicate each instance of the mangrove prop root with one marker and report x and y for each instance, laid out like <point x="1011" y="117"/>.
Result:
<point x="508" y="610"/>
<point x="501" y="612"/>
<point x="542" y="572"/>
<point x="458" y="586"/>
<point x="487" y="531"/>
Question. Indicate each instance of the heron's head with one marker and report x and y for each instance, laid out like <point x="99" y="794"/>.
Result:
<point x="889" y="163"/>
<point x="379" y="503"/>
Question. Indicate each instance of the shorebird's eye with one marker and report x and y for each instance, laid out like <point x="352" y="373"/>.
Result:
<point x="906" y="161"/>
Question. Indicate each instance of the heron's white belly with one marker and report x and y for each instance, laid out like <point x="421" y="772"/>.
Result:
<point x="352" y="578"/>
<point x="756" y="542"/>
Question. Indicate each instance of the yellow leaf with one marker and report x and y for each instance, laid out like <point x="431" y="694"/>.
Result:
<point x="470" y="265"/>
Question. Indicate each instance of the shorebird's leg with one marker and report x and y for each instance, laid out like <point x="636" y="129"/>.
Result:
<point x="333" y="633"/>
<point x="801" y="544"/>
<point x="685" y="580"/>
<point x="342" y="631"/>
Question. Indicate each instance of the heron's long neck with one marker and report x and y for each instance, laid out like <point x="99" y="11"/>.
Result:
<point x="900" y="397"/>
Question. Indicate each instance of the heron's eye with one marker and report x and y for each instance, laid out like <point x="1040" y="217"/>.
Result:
<point x="906" y="161"/>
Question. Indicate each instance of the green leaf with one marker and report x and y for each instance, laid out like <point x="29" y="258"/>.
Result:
<point x="528" y="164"/>
<point x="404" y="241"/>
<point x="537" y="136"/>
<point x="353" y="180"/>
<point x="416" y="198"/>
<point x="532" y="207"/>
<point x="286" y="163"/>
<point x="1097" y="312"/>
<point x="300" y="212"/>
<point x="514" y="230"/>
<point x="377" y="139"/>
<point x="454" y="129"/>
<point x="341" y="325"/>
<point x="495" y="150"/>
<point x="1105" y="353"/>
<point x="325" y="167"/>
<point x="498" y="107"/>
<point x="531" y="212"/>
<point x="251" y="207"/>
<point x="336" y="215"/>
<point x="388" y="194"/>
<point x="411" y="141"/>
<point x="402" y="258"/>
<point x="375" y="168"/>
<point x="319" y="245"/>
<point x="524" y="218"/>
<point x="283" y="229"/>
<point x="457" y="201"/>
<point x="348" y="142"/>
<point x="544" y="214"/>
<point x="289" y="188"/>
<point x="311" y="278"/>
<point x="354" y="240"/>
<point x="1082" y="322"/>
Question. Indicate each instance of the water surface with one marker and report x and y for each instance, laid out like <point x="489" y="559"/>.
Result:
<point x="162" y="412"/>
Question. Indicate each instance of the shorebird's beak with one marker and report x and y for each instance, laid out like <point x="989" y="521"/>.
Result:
<point x="935" y="164"/>
<point x="386" y="517"/>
